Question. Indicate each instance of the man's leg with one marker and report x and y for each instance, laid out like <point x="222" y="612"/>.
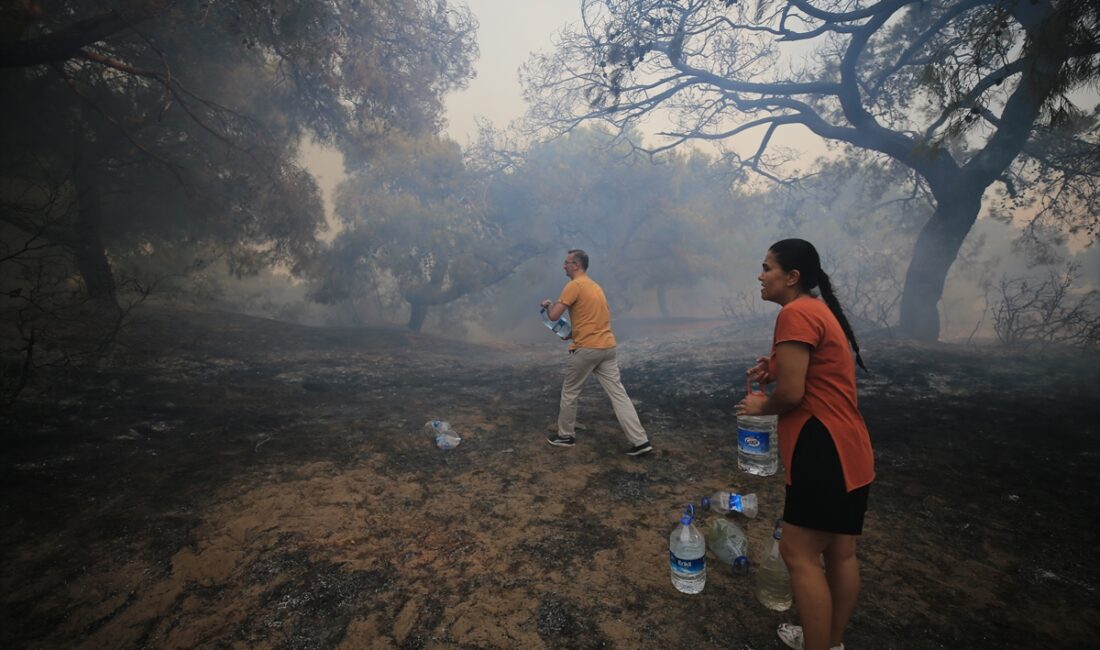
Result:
<point x="607" y="372"/>
<point x="580" y="365"/>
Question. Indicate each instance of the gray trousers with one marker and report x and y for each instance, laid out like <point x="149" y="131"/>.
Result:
<point x="605" y="365"/>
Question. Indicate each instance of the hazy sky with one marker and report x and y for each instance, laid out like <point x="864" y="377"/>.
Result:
<point x="510" y="30"/>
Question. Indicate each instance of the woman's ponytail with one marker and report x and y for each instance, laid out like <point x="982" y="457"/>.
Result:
<point x="834" y="306"/>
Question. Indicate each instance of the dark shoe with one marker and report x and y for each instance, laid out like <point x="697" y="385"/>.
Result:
<point x="560" y="441"/>
<point x="643" y="448"/>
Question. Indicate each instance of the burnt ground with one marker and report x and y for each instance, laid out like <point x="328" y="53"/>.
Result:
<point x="239" y="482"/>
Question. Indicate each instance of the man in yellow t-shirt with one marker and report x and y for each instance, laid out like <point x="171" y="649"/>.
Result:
<point x="592" y="352"/>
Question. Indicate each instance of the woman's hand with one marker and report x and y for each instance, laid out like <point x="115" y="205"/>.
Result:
<point x="759" y="372"/>
<point x="751" y="405"/>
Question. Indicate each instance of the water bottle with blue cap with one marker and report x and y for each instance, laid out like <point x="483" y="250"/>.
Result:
<point x="727" y="502"/>
<point x="687" y="555"/>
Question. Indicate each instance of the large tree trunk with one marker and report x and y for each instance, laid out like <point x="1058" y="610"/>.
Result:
<point x="662" y="301"/>
<point x="88" y="249"/>
<point x="937" y="246"/>
<point x="417" y="315"/>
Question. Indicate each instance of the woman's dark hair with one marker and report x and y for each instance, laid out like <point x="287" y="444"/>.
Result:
<point x="800" y="255"/>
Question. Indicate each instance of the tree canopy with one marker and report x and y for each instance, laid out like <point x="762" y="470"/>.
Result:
<point x="965" y="94"/>
<point x="178" y="123"/>
<point x="416" y="223"/>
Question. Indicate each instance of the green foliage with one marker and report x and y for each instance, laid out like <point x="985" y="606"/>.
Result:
<point x="415" y="224"/>
<point x="187" y="117"/>
<point x="147" y="139"/>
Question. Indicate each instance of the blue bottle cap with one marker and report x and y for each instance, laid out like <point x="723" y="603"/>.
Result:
<point x="689" y="515"/>
<point x="705" y="502"/>
<point x="741" y="566"/>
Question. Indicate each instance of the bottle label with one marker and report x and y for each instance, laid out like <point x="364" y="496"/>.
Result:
<point x="735" y="502"/>
<point x="687" y="566"/>
<point x="753" y="442"/>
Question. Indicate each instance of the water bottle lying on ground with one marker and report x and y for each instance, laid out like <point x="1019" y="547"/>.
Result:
<point x="687" y="555"/>
<point x="728" y="543"/>
<point x="562" y="327"/>
<point x="445" y="436"/>
<point x="725" y="502"/>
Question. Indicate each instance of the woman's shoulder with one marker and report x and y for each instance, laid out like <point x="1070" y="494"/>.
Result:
<point x="806" y="305"/>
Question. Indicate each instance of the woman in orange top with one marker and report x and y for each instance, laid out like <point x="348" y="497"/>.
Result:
<point x="823" y="442"/>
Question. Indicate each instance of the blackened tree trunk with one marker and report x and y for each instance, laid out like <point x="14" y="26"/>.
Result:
<point x="88" y="251"/>
<point x="662" y="300"/>
<point x="417" y="315"/>
<point x="936" y="249"/>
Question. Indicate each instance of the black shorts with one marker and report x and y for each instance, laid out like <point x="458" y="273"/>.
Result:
<point x="817" y="497"/>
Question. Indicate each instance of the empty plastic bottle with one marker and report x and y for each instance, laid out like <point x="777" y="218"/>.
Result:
<point x="728" y="543"/>
<point x="725" y="502"/>
<point x="757" y="442"/>
<point x="772" y="586"/>
<point x="445" y="436"/>
<point x="562" y="327"/>
<point x="687" y="555"/>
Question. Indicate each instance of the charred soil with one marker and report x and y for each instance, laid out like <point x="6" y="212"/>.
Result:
<point x="237" y="482"/>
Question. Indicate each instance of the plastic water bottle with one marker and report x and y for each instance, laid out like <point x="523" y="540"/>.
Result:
<point x="562" y="327"/>
<point x="445" y="437"/>
<point x="757" y="442"/>
<point x="687" y="555"/>
<point x="726" y="502"/>
<point x="728" y="543"/>
<point x="773" y="584"/>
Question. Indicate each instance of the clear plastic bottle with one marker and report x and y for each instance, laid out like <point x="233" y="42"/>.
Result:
<point x="562" y="327"/>
<point x="725" y="502"/>
<point x="757" y="442"/>
<point x="772" y="586"/>
<point x="687" y="555"/>
<point x="728" y="543"/>
<point x="445" y="437"/>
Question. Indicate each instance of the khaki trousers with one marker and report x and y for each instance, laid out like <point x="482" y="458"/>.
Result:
<point x="605" y="365"/>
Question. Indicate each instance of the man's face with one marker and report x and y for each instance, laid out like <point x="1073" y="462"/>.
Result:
<point x="570" y="265"/>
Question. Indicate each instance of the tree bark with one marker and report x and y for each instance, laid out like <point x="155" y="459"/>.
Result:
<point x="88" y="250"/>
<point x="417" y="315"/>
<point x="662" y="300"/>
<point x="936" y="249"/>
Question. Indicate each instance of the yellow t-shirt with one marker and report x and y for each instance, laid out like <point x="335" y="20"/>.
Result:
<point x="589" y="314"/>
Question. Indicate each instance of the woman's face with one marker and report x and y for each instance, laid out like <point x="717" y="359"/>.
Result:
<point x="777" y="285"/>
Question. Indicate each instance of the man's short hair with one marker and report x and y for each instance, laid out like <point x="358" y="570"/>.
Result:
<point x="581" y="257"/>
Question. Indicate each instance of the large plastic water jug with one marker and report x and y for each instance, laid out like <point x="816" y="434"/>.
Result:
<point x="562" y="327"/>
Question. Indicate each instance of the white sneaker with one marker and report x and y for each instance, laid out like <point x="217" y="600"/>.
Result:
<point x="791" y="635"/>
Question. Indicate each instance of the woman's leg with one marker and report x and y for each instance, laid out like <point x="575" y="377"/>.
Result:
<point x="842" y="574"/>
<point x="802" y="549"/>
